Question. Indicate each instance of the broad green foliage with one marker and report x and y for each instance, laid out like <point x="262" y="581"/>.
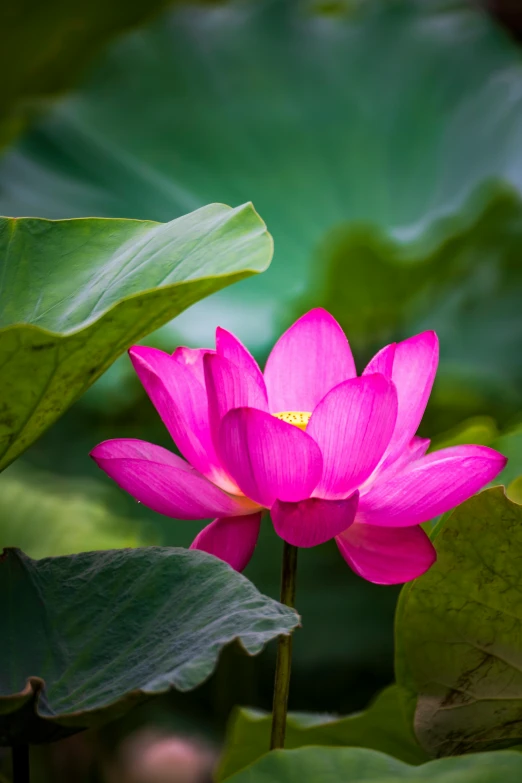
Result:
<point x="46" y="46"/>
<point x="354" y="765"/>
<point x="47" y="515"/>
<point x="76" y="293"/>
<point x="459" y="631"/>
<point x="380" y="727"/>
<point x="91" y="635"/>
<point x="390" y="177"/>
<point x="466" y="287"/>
<point x="390" y="173"/>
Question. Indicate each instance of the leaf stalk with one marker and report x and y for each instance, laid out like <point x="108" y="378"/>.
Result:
<point x="284" y="650"/>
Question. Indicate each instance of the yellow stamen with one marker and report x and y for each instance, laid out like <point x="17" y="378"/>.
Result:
<point x="297" y="418"/>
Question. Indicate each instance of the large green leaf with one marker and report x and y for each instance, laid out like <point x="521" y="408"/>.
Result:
<point x="354" y="765"/>
<point x="380" y="727"/>
<point x="88" y="636"/>
<point x="45" y="47"/>
<point x="45" y="515"/>
<point x="466" y="287"/>
<point x="458" y="631"/>
<point x="76" y="293"/>
<point x="382" y="146"/>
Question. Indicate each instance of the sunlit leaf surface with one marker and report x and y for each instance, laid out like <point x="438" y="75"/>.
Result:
<point x="76" y="293"/>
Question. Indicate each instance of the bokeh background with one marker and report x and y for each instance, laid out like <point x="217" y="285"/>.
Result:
<point x="381" y="141"/>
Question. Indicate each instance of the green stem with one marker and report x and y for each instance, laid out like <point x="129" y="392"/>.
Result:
<point x="20" y="756"/>
<point x="284" y="651"/>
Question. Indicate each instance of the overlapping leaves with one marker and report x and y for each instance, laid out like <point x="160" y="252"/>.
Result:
<point x="381" y="727"/>
<point x="76" y="293"/>
<point x="381" y="199"/>
<point x="353" y="765"/>
<point x="458" y="664"/>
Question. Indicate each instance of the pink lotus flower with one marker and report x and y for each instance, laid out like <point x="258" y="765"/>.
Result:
<point x="329" y="454"/>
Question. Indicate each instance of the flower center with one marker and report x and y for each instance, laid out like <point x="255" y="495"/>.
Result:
<point x="297" y="418"/>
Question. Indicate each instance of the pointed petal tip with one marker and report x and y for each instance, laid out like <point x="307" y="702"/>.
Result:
<point x="230" y="347"/>
<point x="430" y="485"/>
<point x="134" y="352"/>
<point x="429" y="337"/>
<point x="96" y="455"/>
<point x="310" y="358"/>
<point x="498" y="460"/>
<point x="221" y="333"/>
<point x="382" y="362"/>
<point x="104" y="450"/>
<point x="141" y="355"/>
<point x="140" y="350"/>
<point x="318" y="313"/>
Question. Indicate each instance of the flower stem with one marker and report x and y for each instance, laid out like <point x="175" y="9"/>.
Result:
<point x="284" y="651"/>
<point x="20" y="756"/>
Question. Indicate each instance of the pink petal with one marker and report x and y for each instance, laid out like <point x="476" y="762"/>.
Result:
<point x="313" y="521"/>
<point x="382" y="362"/>
<point x="192" y="359"/>
<point x="308" y="360"/>
<point x="414" y="367"/>
<point x="232" y="539"/>
<point x="230" y="386"/>
<point x="352" y="425"/>
<point x="164" y="482"/>
<point x="173" y="385"/>
<point x="386" y="555"/>
<point x="267" y="457"/>
<point x="416" y="448"/>
<point x="429" y="486"/>
<point x="228" y="346"/>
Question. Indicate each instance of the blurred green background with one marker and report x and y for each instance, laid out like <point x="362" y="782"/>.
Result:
<point x="380" y="142"/>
